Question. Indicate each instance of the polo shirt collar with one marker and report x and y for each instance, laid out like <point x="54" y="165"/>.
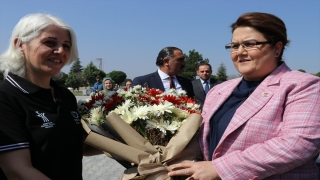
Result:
<point x="24" y="85"/>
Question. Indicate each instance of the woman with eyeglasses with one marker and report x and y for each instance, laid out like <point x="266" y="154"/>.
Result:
<point x="266" y="124"/>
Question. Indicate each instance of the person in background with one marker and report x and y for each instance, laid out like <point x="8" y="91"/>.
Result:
<point x="128" y="85"/>
<point x="170" y="62"/>
<point x="265" y="124"/>
<point x="202" y="85"/>
<point x="40" y="129"/>
<point x="116" y="87"/>
<point x="107" y="85"/>
<point x="98" y="86"/>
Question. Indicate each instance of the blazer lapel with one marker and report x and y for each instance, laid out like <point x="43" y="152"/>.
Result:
<point x="156" y="81"/>
<point x="216" y="99"/>
<point x="249" y="108"/>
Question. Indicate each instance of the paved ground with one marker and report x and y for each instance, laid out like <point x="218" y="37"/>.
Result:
<point x="100" y="167"/>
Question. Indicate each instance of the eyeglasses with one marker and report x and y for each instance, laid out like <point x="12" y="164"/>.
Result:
<point x="247" y="45"/>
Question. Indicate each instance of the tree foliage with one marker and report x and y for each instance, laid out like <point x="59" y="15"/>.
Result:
<point x="317" y="74"/>
<point x="222" y="73"/>
<point x="192" y="61"/>
<point x="90" y="72"/>
<point x="301" y="70"/>
<point x="73" y="81"/>
<point x="76" y="67"/>
<point x="117" y="76"/>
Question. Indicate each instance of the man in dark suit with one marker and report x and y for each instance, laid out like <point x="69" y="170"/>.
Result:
<point x="171" y="62"/>
<point x="202" y="85"/>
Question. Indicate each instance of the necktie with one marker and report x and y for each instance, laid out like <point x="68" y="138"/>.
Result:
<point x="172" y="85"/>
<point x="206" y="87"/>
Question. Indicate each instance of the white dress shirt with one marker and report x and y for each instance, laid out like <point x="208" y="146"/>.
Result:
<point x="165" y="78"/>
<point x="204" y="84"/>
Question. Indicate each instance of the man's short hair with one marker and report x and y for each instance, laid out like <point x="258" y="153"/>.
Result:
<point x="165" y="52"/>
<point x="204" y="64"/>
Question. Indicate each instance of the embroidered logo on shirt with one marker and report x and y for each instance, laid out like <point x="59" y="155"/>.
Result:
<point x="46" y="122"/>
<point x="75" y="115"/>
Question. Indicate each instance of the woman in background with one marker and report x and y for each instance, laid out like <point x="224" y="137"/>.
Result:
<point x="107" y="85"/>
<point x="266" y="124"/>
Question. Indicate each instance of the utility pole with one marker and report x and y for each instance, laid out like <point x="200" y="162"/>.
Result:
<point x="100" y="63"/>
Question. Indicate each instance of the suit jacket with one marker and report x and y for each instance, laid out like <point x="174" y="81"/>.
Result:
<point x="199" y="91"/>
<point x="153" y="80"/>
<point x="274" y="134"/>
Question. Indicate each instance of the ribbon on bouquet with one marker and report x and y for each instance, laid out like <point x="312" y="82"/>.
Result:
<point x="153" y="161"/>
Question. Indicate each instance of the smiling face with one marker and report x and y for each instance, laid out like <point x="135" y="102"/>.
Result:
<point x="108" y="84"/>
<point x="256" y="63"/>
<point x="46" y="55"/>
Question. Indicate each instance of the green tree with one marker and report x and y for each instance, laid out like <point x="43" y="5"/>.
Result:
<point x="77" y="70"/>
<point x="317" y="74"/>
<point x="301" y="70"/>
<point x="1" y="76"/>
<point x="90" y="72"/>
<point x="117" y="76"/>
<point x="73" y="81"/>
<point x="76" y="67"/>
<point x="192" y="61"/>
<point x="62" y="80"/>
<point x="222" y="73"/>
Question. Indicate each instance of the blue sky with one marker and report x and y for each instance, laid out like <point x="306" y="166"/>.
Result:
<point x="128" y="34"/>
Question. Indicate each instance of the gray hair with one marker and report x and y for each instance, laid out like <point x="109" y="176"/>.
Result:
<point x="28" y="28"/>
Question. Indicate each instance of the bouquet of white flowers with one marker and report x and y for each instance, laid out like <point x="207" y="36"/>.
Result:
<point x="150" y="129"/>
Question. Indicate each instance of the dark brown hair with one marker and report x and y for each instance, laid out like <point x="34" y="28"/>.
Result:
<point x="272" y="27"/>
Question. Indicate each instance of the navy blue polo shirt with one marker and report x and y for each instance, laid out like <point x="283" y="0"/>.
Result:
<point x="52" y="131"/>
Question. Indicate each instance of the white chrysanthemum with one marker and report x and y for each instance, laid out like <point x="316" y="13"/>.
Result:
<point x="180" y="113"/>
<point x="172" y="91"/>
<point x="140" y="112"/>
<point x="196" y="106"/>
<point x="155" y="124"/>
<point x="127" y="116"/>
<point x="174" y="126"/>
<point x="129" y="94"/>
<point x="189" y="105"/>
<point x="162" y="108"/>
<point x="181" y="93"/>
<point x="163" y="125"/>
<point x="137" y="88"/>
<point x="124" y="107"/>
<point x="97" y="116"/>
